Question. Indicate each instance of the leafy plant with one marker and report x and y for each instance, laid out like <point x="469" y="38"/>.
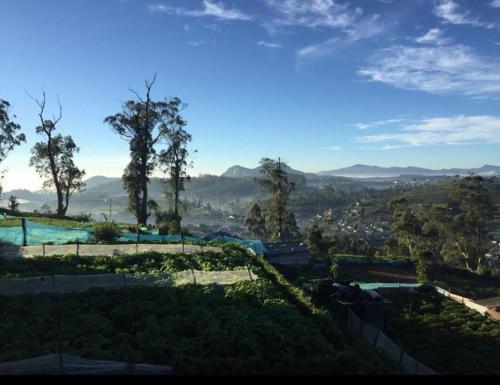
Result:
<point x="106" y="232"/>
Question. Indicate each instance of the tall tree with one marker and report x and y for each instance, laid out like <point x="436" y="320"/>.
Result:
<point x="314" y="239"/>
<point x="143" y="123"/>
<point x="174" y="158"/>
<point x="255" y="222"/>
<point x="280" y="221"/>
<point x="465" y="220"/>
<point x="10" y="135"/>
<point x="13" y="203"/>
<point x="53" y="159"/>
<point x="416" y="233"/>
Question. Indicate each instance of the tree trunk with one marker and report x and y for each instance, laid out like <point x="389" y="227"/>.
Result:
<point x="143" y="204"/>
<point x="53" y="168"/>
<point x="66" y="198"/>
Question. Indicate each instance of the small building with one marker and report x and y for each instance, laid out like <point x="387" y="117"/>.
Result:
<point x="287" y="253"/>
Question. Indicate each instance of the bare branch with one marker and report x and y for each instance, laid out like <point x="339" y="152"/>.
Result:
<point x="40" y="104"/>
<point x="136" y="94"/>
<point x="60" y="112"/>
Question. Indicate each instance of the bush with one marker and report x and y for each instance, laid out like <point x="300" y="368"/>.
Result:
<point x="106" y="232"/>
<point x="82" y="218"/>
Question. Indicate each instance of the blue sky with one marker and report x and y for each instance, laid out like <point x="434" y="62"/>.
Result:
<point x="324" y="84"/>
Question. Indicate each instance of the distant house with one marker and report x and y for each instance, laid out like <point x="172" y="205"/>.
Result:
<point x="287" y="253"/>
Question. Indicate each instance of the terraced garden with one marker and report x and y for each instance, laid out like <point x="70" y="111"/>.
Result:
<point x="264" y="326"/>
<point x="443" y="334"/>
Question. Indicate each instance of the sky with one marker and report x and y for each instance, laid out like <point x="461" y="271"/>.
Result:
<point x="323" y="84"/>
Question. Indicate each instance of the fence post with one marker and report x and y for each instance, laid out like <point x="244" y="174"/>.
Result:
<point x="25" y="231"/>
<point x="43" y="248"/>
<point x="137" y="241"/>
<point x="194" y="277"/>
<point x="77" y="248"/>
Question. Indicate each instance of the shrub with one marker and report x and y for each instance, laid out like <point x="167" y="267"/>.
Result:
<point x="82" y="218"/>
<point x="106" y="232"/>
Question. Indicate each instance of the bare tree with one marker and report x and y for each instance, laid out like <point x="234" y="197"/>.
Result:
<point x="53" y="158"/>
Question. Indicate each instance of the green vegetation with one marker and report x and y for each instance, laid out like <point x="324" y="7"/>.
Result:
<point x="280" y="221"/>
<point x="232" y="258"/>
<point x="10" y="136"/>
<point x="465" y="283"/>
<point x="67" y="223"/>
<point x="444" y="335"/>
<point x="455" y="231"/>
<point x="106" y="232"/>
<point x="264" y="326"/>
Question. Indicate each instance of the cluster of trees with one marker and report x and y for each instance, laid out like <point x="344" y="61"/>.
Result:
<point x="454" y="232"/>
<point x="53" y="157"/>
<point x="321" y="246"/>
<point x="275" y="221"/>
<point x="145" y="123"/>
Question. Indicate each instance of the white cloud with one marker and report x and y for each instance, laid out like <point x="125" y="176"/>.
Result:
<point x="321" y="49"/>
<point x="441" y="131"/>
<point x="268" y="44"/>
<point x="363" y="29"/>
<point x="379" y="123"/>
<point x="335" y="148"/>
<point x="451" y="13"/>
<point x="495" y="4"/>
<point x="313" y="13"/>
<point x="199" y="43"/>
<point x="211" y="9"/>
<point x="433" y="36"/>
<point x="452" y="69"/>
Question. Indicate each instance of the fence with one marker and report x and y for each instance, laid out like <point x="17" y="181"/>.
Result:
<point x="483" y="310"/>
<point x="378" y="340"/>
<point x="38" y="234"/>
<point x="67" y="284"/>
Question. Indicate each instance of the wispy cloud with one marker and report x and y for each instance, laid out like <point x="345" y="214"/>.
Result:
<point x="433" y="36"/>
<point x="313" y="13"/>
<point x="364" y="29"/>
<point x="199" y="43"/>
<point x="495" y="4"/>
<point x="441" y="131"/>
<point x="211" y="9"/>
<point x="451" y="13"/>
<point x="380" y="123"/>
<point x="269" y="44"/>
<point x="451" y="69"/>
<point x="335" y="148"/>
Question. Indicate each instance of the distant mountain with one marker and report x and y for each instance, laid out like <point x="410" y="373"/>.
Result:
<point x="364" y="171"/>
<point x="97" y="181"/>
<point x="243" y="172"/>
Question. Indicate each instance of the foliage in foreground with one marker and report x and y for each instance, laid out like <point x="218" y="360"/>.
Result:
<point x="445" y="335"/>
<point x="248" y="328"/>
<point x="149" y="263"/>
